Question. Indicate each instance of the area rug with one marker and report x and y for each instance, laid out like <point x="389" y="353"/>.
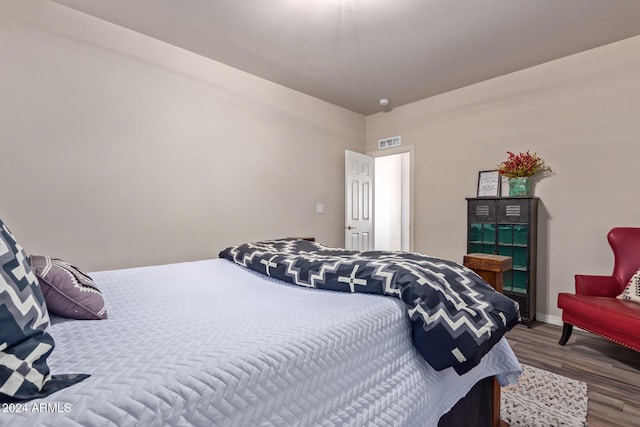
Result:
<point x="542" y="398"/>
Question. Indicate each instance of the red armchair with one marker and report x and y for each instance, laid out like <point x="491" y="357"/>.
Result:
<point x="595" y="308"/>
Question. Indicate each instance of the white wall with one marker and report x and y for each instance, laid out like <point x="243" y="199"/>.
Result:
<point x="388" y="203"/>
<point x="580" y="113"/>
<point x="120" y="150"/>
<point x="392" y="202"/>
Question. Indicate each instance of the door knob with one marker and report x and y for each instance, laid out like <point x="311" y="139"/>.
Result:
<point x="348" y="227"/>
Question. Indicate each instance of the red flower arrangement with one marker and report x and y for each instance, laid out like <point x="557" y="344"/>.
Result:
<point x="522" y="164"/>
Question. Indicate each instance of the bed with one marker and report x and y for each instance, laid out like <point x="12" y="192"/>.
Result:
<point x="213" y="343"/>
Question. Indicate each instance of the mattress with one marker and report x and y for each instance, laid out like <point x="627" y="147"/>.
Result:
<point x="210" y="343"/>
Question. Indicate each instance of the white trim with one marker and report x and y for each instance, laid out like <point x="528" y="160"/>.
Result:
<point x="548" y="318"/>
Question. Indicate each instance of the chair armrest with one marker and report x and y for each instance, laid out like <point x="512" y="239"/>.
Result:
<point x="597" y="286"/>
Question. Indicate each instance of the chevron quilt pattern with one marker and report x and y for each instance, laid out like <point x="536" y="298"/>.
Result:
<point x="456" y="317"/>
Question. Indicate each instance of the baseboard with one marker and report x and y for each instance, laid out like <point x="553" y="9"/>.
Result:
<point x="548" y="318"/>
<point x="555" y="320"/>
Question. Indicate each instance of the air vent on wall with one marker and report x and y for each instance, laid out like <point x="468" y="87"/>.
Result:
<point x="394" y="141"/>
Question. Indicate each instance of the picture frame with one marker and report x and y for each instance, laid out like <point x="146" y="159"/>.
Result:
<point x="489" y="183"/>
<point x="505" y="186"/>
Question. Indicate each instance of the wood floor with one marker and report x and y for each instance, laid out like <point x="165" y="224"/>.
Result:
<point x="611" y="371"/>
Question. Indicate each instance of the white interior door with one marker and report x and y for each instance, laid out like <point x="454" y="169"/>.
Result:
<point x="358" y="230"/>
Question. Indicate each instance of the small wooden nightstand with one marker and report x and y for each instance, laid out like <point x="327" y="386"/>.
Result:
<point x="490" y="267"/>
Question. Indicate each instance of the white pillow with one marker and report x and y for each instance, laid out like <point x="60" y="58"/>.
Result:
<point x="632" y="291"/>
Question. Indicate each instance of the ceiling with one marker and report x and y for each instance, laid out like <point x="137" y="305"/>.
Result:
<point x="354" y="52"/>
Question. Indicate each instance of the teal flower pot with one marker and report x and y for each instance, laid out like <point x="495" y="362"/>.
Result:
<point x="520" y="186"/>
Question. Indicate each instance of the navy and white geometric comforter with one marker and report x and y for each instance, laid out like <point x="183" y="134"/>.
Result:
<point x="455" y="315"/>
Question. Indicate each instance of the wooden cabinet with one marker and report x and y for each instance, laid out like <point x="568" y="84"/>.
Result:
<point x="508" y="226"/>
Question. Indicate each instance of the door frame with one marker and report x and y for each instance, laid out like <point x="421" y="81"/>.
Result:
<point x="399" y="150"/>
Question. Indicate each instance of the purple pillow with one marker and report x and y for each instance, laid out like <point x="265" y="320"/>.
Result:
<point x="67" y="290"/>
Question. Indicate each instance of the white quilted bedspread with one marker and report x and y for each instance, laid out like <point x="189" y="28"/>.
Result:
<point x="208" y="343"/>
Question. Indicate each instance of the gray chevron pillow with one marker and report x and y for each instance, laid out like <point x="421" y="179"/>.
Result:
<point x="25" y="343"/>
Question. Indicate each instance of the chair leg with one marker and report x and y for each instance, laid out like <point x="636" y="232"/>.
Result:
<point x="567" y="328"/>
